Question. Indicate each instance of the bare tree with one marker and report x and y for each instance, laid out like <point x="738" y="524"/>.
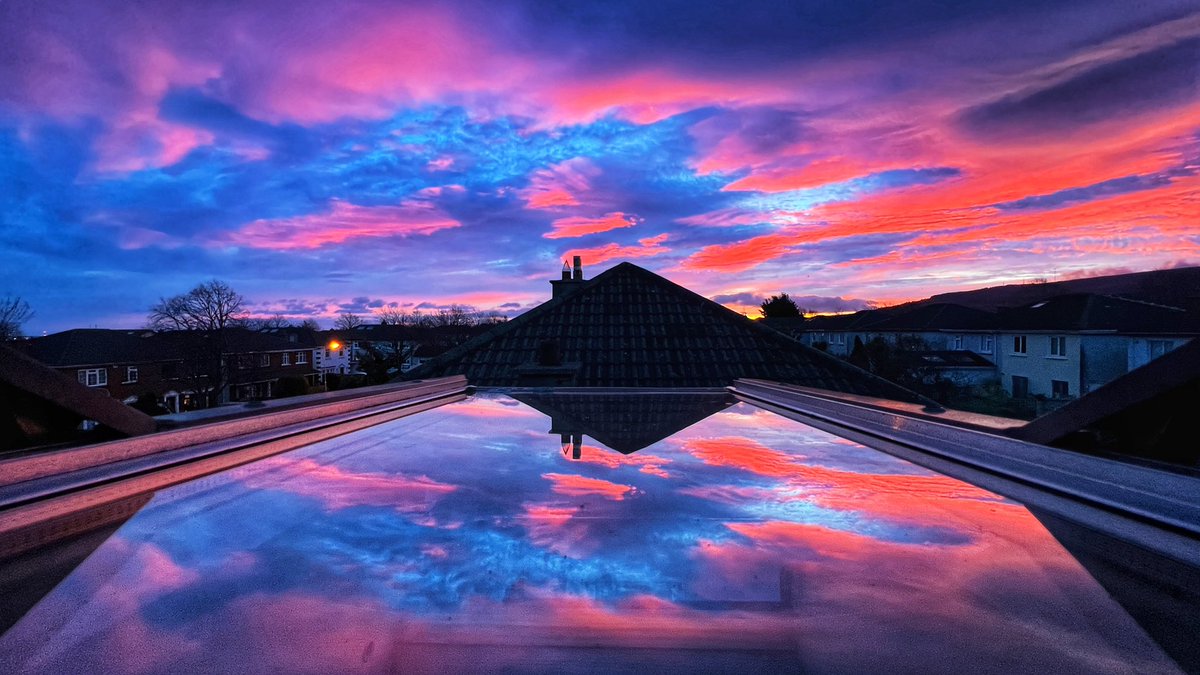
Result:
<point x="310" y="324"/>
<point x="202" y="317"/>
<point x="13" y="312"/>
<point x="393" y="317"/>
<point x="267" y="323"/>
<point x="347" y="321"/>
<point x="212" y="305"/>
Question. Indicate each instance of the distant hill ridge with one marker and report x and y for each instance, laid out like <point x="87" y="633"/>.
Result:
<point x="1179" y="287"/>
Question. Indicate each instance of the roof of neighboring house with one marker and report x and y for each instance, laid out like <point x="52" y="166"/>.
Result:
<point x="950" y="359"/>
<point x="95" y="346"/>
<point x="1090" y="312"/>
<point x="940" y="316"/>
<point x="629" y="327"/>
<point x="298" y="336"/>
<point x="102" y="346"/>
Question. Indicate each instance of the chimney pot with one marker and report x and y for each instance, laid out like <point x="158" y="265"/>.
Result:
<point x="578" y="273"/>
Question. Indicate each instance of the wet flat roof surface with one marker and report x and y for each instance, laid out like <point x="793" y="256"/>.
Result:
<point x="470" y="538"/>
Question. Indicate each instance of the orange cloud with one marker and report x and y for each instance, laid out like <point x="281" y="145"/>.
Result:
<point x="650" y="246"/>
<point x="573" y="485"/>
<point x="578" y="226"/>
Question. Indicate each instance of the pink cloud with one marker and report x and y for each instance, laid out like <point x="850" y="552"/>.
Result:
<point x="578" y="226"/>
<point x="337" y="489"/>
<point x="343" y="222"/>
<point x="650" y="246"/>
<point x="560" y="185"/>
<point x="573" y="485"/>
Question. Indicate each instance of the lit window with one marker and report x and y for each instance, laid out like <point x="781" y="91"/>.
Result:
<point x="131" y="374"/>
<point x="93" y="377"/>
<point x="1059" y="389"/>
<point x="1020" y="344"/>
<point x="287" y="358"/>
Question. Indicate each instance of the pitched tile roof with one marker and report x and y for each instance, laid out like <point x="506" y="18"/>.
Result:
<point x="1090" y="312"/>
<point x="629" y="327"/>
<point x="100" y="346"/>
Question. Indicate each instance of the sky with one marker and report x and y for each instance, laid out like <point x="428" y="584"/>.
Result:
<point x="358" y="156"/>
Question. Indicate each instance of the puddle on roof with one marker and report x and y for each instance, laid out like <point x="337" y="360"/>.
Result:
<point x="488" y="535"/>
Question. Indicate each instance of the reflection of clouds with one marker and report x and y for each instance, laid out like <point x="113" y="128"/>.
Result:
<point x="647" y="462"/>
<point x="340" y="489"/>
<point x="420" y="546"/>
<point x="581" y="486"/>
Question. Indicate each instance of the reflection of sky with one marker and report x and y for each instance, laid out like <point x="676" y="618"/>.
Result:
<point x="464" y="534"/>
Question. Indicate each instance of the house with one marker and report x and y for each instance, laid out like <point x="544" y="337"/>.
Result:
<point x="171" y="365"/>
<point x="629" y="327"/>
<point x="1056" y="348"/>
<point x="1067" y="346"/>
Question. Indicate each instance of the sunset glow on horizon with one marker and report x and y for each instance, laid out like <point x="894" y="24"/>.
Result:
<point x="372" y="155"/>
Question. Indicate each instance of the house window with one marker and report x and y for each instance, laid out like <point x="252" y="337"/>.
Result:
<point x="301" y="357"/>
<point x="131" y="374"/>
<point x="264" y="360"/>
<point x="1020" y="344"/>
<point x="985" y="344"/>
<point x="1020" y="386"/>
<point x="958" y="342"/>
<point x="93" y="377"/>
<point x="1058" y="346"/>
<point x="1159" y="347"/>
<point x="1059" y="389"/>
<point x="286" y="359"/>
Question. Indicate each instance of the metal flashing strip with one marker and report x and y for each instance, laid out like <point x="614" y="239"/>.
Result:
<point x="58" y="506"/>
<point x="1156" y="510"/>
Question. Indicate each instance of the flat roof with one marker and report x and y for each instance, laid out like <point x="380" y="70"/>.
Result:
<point x="470" y="537"/>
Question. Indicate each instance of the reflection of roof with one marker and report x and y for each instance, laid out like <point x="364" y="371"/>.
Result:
<point x="625" y="422"/>
<point x="629" y="327"/>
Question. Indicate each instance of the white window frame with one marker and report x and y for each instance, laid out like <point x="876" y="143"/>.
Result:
<point x="1066" y="389"/>
<point x="301" y="358"/>
<point x="131" y="374"/>
<point x="1161" y="346"/>
<point x="985" y="344"/>
<point x="264" y="360"/>
<point x="1058" y="346"/>
<point x="1020" y="345"/>
<point x="93" y="377"/>
<point x="286" y="359"/>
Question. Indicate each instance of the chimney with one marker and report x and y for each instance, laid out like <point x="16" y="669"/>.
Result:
<point x="571" y="278"/>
